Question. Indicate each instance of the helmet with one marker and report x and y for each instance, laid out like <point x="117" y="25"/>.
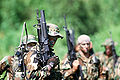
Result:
<point x="82" y="38"/>
<point x="53" y="30"/>
<point x="31" y="39"/>
<point x="108" y="42"/>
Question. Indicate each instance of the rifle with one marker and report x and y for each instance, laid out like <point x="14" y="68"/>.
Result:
<point x="71" y="51"/>
<point x="115" y="57"/>
<point x="42" y="54"/>
<point x="70" y="44"/>
<point x="21" y="52"/>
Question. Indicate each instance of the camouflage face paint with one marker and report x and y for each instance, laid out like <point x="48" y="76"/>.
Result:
<point x="30" y="45"/>
<point x="108" y="50"/>
<point x="85" y="46"/>
<point x="52" y="41"/>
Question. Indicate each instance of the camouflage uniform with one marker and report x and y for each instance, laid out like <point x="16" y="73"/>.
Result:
<point x="66" y="69"/>
<point x="117" y="69"/>
<point x="107" y="63"/>
<point x="12" y="64"/>
<point x="38" y="72"/>
<point x="33" y="69"/>
<point x="5" y="65"/>
<point x="89" y="65"/>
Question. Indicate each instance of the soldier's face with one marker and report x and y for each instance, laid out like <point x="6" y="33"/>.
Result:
<point x="30" y="45"/>
<point x="85" y="46"/>
<point x="52" y="41"/>
<point x="108" y="50"/>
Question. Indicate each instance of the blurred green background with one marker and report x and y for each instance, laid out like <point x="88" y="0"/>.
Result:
<point x="93" y="17"/>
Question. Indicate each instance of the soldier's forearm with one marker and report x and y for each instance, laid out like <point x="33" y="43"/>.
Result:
<point x="4" y="64"/>
<point x="53" y="61"/>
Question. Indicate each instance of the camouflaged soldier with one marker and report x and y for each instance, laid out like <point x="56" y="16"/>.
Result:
<point x="67" y="71"/>
<point x="51" y="70"/>
<point x="12" y="64"/>
<point x="117" y="69"/>
<point x="86" y="59"/>
<point x="31" y="42"/>
<point x="107" y="61"/>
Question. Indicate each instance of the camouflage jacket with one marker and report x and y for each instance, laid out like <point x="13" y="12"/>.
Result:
<point x="66" y="70"/>
<point x="90" y="66"/>
<point x="36" y="71"/>
<point x="6" y="65"/>
<point x="107" y="66"/>
<point x="11" y="64"/>
<point x="117" y="69"/>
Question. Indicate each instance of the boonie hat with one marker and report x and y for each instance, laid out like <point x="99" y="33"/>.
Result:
<point x="108" y="42"/>
<point x="31" y="38"/>
<point x="53" y="30"/>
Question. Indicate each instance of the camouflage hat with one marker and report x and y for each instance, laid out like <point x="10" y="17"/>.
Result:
<point x="82" y="38"/>
<point x="31" y="38"/>
<point x="53" y="30"/>
<point x="108" y="42"/>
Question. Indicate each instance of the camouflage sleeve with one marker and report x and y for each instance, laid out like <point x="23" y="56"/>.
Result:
<point x="65" y="65"/>
<point x="53" y="61"/>
<point x="4" y="63"/>
<point x="117" y="69"/>
<point x="45" y="71"/>
<point x="78" y="55"/>
<point x="68" y="73"/>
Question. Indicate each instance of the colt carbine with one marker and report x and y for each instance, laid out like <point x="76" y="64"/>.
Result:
<point x="115" y="57"/>
<point x="71" y="50"/>
<point x="70" y="44"/>
<point x="42" y="54"/>
<point x="21" y="52"/>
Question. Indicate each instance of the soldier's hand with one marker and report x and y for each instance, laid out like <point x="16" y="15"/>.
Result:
<point x="75" y="64"/>
<point x="43" y="74"/>
<point x="12" y="59"/>
<point x="46" y="68"/>
<point x="104" y="70"/>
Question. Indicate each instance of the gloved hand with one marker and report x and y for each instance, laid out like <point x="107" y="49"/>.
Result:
<point x="43" y="74"/>
<point x="75" y="65"/>
<point x="46" y="68"/>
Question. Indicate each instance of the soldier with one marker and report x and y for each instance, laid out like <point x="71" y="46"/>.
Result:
<point x="50" y="71"/>
<point x="117" y="69"/>
<point x="31" y="41"/>
<point x="11" y="64"/>
<point x="107" y="60"/>
<point x="86" y="62"/>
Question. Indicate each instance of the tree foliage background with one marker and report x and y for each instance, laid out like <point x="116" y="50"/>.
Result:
<point x="93" y="17"/>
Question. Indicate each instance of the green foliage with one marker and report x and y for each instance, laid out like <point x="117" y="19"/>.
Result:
<point x="102" y="35"/>
<point x="93" y="17"/>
